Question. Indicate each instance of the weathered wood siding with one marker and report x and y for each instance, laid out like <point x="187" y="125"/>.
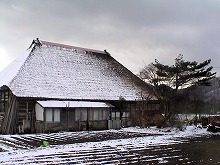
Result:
<point x="8" y="105"/>
<point x="74" y="119"/>
<point x="4" y="96"/>
<point x="26" y="115"/>
<point x="19" y="116"/>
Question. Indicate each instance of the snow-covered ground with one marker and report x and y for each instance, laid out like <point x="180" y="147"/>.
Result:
<point x="103" y="152"/>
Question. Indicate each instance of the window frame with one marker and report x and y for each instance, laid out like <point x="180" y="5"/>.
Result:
<point x="54" y="117"/>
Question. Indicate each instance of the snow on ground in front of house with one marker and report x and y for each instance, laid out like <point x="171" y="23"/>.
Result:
<point x="156" y="137"/>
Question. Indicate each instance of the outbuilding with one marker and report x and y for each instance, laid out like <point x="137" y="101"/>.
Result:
<point x="73" y="115"/>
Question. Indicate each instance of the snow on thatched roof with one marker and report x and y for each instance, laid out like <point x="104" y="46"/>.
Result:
<point x="56" y="71"/>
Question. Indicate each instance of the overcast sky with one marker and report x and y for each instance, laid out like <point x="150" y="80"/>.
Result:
<point x="135" y="32"/>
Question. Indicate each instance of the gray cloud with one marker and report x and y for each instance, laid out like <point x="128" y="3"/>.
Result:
<point x="134" y="32"/>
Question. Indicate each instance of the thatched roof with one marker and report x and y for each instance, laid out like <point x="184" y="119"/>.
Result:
<point x="56" y="71"/>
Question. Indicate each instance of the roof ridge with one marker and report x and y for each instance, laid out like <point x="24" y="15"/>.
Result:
<point x="72" y="47"/>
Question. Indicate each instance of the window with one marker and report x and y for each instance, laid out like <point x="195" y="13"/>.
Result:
<point x="49" y="115"/>
<point x="52" y="115"/>
<point x="3" y="100"/>
<point x="115" y="115"/>
<point x="81" y="114"/>
<point x="56" y="115"/>
<point x="126" y="114"/>
<point x="153" y="106"/>
<point x="98" y="114"/>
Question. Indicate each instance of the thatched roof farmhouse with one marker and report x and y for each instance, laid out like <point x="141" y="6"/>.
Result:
<point x="91" y="84"/>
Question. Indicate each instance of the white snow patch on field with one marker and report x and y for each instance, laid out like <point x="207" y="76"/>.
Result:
<point x="156" y="137"/>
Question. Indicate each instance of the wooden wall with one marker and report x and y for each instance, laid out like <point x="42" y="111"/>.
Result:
<point x="76" y="119"/>
<point x="25" y="110"/>
<point x="8" y="111"/>
<point x="19" y="116"/>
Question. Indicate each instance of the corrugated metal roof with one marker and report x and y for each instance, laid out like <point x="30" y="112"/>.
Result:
<point x="59" y="71"/>
<point x="73" y="104"/>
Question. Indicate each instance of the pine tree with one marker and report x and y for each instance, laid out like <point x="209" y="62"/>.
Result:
<point x="184" y="73"/>
<point x="168" y="80"/>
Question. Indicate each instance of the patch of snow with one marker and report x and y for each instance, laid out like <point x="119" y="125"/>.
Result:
<point x="53" y="71"/>
<point x="157" y="137"/>
<point x="9" y="73"/>
<point x="53" y="103"/>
